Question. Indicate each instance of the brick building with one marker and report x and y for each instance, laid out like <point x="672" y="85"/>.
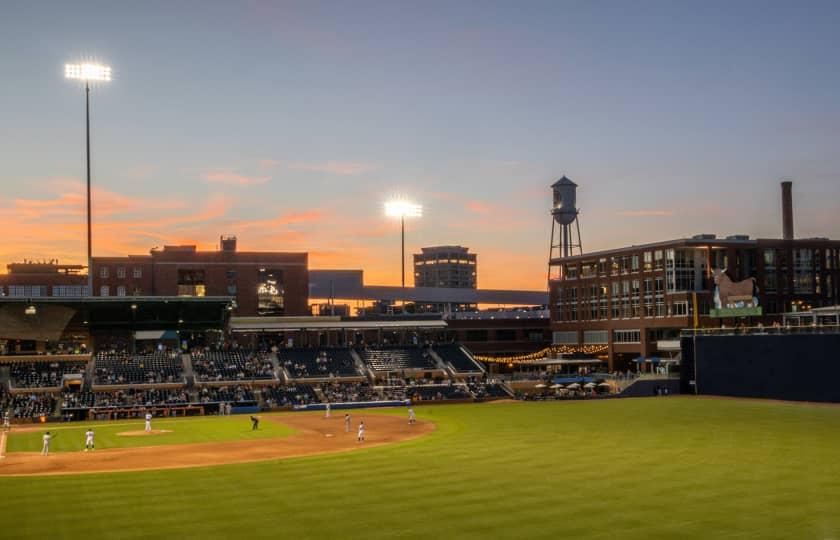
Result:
<point x="263" y="283"/>
<point x="633" y="299"/>
<point x="32" y="279"/>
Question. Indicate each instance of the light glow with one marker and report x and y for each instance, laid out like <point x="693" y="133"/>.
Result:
<point x="401" y="208"/>
<point x="87" y="72"/>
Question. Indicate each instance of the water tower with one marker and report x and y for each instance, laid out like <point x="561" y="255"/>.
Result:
<point x="565" y="218"/>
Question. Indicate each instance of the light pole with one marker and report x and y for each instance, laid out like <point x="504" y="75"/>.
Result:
<point x="97" y="73"/>
<point x="403" y="209"/>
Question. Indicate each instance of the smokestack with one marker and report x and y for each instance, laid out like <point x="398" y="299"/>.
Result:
<point x="787" y="210"/>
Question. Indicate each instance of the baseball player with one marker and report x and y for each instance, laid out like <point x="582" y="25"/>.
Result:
<point x="7" y="425"/>
<point x="361" y="436"/>
<point x="148" y="422"/>
<point x="346" y="423"/>
<point x="255" y="423"/>
<point x="89" y="440"/>
<point x="412" y="418"/>
<point x="327" y="413"/>
<point x="45" y="450"/>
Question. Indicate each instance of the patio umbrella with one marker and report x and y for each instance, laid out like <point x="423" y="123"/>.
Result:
<point x="556" y="386"/>
<point x="607" y="385"/>
<point x="541" y="385"/>
<point x="589" y="385"/>
<point x="573" y="386"/>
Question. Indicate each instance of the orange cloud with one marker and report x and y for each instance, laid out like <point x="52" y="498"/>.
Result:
<point x="233" y="179"/>
<point x="479" y="207"/>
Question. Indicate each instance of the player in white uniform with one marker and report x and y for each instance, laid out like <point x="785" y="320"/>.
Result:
<point x="347" y="423"/>
<point x="88" y="440"/>
<point x="7" y="425"/>
<point x="412" y="418"/>
<point x="327" y="414"/>
<point x="361" y="436"/>
<point x="45" y="450"/>
<point x="148" y="422"/>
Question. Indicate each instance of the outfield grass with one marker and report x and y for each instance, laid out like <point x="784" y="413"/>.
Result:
<point x="639" y="469"/>
<point x="71" y="438"/>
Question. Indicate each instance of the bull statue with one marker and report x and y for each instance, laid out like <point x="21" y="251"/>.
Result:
<point x="733" y="293"/>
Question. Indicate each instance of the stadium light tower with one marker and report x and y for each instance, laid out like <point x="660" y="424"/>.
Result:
<point x="88" y="72"/>
<point x="403" y="209"/>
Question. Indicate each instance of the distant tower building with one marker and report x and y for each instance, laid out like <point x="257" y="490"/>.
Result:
<point x="445" y="266"/>
<point x="565" y="241"/>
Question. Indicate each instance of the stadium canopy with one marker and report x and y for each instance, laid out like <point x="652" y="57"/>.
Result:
<point x="46" y="318"/>
<point x="287" y="324"/>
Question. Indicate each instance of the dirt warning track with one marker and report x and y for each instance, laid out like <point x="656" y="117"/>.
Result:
<point x="315" y="435"/>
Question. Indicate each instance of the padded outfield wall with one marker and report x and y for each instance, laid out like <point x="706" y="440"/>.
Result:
<point x="799" y="367"/>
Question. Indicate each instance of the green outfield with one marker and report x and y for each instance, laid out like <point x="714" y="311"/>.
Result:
<point x="71" y="438"/>
<point x="636" y="468"/>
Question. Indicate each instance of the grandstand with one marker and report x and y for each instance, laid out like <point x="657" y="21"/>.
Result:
<point x="318" y="363"/>
<point x="113" y="368"/>
<point x="290" y="395"/>
<point x="399" y="359"/>
<point x="349" y="392"/>
<point x="43" y="374"/>
<point x="437" y="392"/>
<point x="457" y="358"/>
<point x="226" y="394"/>
<point x="231" y="365"/>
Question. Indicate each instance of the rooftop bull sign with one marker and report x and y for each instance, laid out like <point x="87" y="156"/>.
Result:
<point x="735" y="298"/>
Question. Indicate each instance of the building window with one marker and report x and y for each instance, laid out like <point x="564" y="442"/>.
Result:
<point x="69" y="290"/>
<point x="191" y="283"/>
<point x="137" y="272"/>
<point x="679" y="309"/>
<point x="104" y="290"/>
<point x="595" y="337"/>
<point x="565" y="338"/>
<point x="27" y="290"/>
<point x="271" y="292"/>
<point x="121" y="272"/>
<point x="103" y="272"/>
<point x="121" y="290"/>
<point x="627" y="336"/>
<point x="648" y="261"/>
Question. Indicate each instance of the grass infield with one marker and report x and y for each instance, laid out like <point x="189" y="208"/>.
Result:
<point x="71" y="437"/>
<point x="636" y="468"/>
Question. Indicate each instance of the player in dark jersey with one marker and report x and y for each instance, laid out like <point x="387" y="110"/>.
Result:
<point x="255" y="423"/>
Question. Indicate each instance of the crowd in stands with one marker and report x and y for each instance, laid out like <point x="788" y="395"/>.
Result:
<point x="283" y="396"/>
<point x="399" y="359"/>
<point x="437" y="392"/>
<point x="235" y="365"/>
<point x="28" y="405"/>
<point x="310" y="363"/>
<point x="124" y="398"/>
<point x="348" y="392"/>
<point x="42" y="374"/>
<point x="486" y="389"/>
<point x="226" y="394"/>
<point x="122" y="368"/>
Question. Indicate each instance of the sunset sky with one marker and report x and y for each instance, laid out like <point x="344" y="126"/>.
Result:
<point x="289" y="124"/>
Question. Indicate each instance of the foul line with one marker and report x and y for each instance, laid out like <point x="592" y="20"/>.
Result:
<point x="3" y="445"/>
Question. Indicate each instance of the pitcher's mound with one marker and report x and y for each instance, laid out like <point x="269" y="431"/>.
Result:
<point x="143" y="433"/>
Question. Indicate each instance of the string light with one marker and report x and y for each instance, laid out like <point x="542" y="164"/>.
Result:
<point x="545" y="353"/>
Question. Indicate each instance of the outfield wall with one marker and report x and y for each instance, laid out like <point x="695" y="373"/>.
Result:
<point x="799" y="367"/>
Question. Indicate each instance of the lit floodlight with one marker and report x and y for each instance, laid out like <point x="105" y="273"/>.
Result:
<point x="87" y="72"/>
<point x="401" y="208"/>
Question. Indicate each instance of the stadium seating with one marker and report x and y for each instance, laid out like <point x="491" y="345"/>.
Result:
<point x="139" y="398"/>
<point x="398" y="359"/>
<point x="30" y="406"/>
<point x="231" y="365"/>
<point x="77" y="400"/>
<point x="455" y="356"/>
<point x="123" y="368"/>
<point x="42" y="374"/>
<point x="226" y="394"/>
<point x="308" y="363"/>
<point x="281" y="396"/>
<point x="437" y="392"/>
<point x="481" y="389"/>
<point x="349" y="392"/>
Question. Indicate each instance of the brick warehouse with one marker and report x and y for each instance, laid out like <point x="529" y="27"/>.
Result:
<point x="263" y="283"/>
<point x="630" y="299"/>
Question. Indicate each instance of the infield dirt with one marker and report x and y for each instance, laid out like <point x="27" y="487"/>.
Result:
<point x="315" y="435"/>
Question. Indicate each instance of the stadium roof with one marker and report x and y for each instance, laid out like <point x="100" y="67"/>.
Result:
<point x="46" y="318"/>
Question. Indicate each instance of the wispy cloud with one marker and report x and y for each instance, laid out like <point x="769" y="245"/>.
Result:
<point x="233" y="179"/>
<point x="645" y="213"/>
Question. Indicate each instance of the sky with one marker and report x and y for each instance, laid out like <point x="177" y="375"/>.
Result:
<point x="289" y="124"/>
